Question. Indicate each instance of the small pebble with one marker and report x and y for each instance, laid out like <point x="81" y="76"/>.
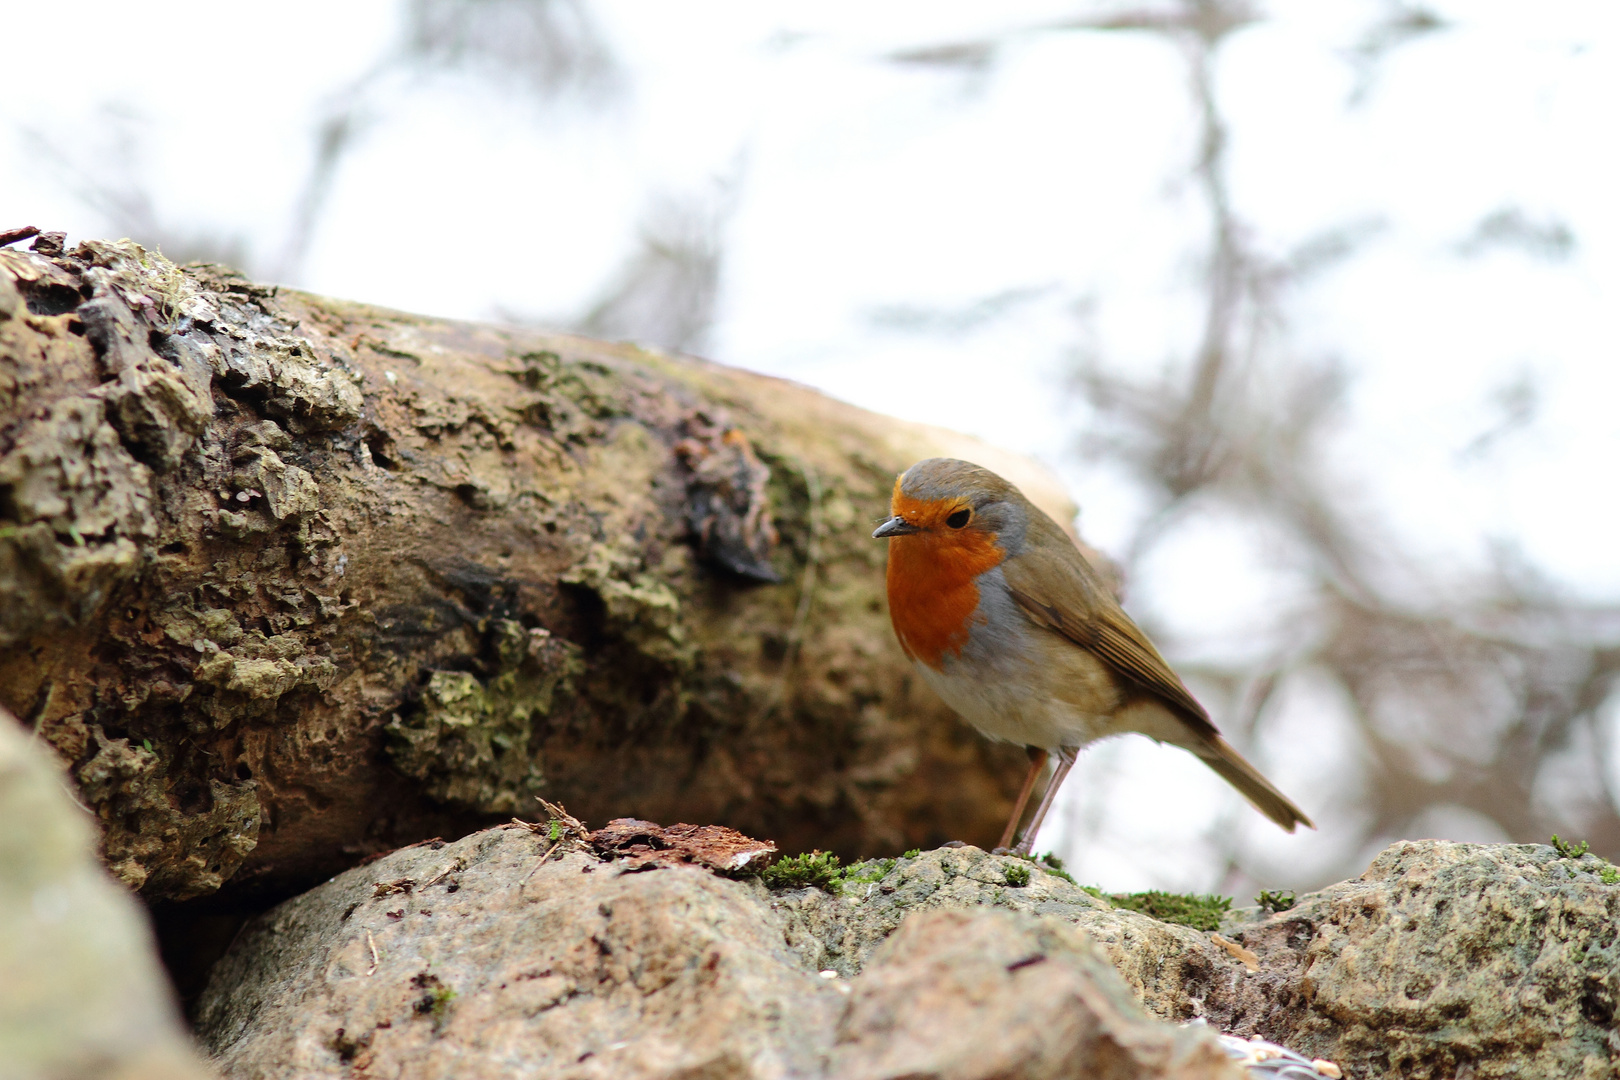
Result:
<point x="829" y="974"/>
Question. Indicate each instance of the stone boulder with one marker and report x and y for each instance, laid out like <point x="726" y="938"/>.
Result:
<point x="520" y="953"/>
<point x="81" y="994"/>
<point x="511" y="953"/>
<point x="987" y="993"/>
<point x="1443" y="960"/>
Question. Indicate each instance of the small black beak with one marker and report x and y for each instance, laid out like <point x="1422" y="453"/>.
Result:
<point x="895" y="526"/>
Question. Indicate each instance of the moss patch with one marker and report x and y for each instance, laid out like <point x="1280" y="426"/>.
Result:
<point x="1569" y="849"/>
<point x="473" y="740"/>
<point x="824" y="871"/>
<point x="1275" y="901"/>
<point x="1184" y="909"/>
<point x="818" y="868"/>
<point x="1054" y="866"/>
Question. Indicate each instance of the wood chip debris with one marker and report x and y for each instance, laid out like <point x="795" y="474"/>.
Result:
<point x="388" y="888"/>
<point x="11" y="236"/>
<point x="643" y="844"/>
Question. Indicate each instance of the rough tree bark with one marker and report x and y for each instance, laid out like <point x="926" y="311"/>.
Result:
<point x="288" y="581"/>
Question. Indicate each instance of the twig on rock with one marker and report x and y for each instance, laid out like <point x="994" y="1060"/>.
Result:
<point x="455" y="865"/>
<point x="1250" y="960"/>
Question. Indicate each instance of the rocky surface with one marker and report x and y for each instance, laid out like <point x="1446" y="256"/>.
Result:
<point x="81" y="994"/>
<point x="522" y="950"/>
<point x="1443" y="960"/>
<point x="513" y="953"/>
<point x="970" y="994"/>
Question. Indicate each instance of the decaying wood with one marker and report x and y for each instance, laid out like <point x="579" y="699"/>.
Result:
<point x="287" y="581"/>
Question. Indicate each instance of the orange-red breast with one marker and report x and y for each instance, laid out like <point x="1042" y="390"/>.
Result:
<point x="1009" y="623"/>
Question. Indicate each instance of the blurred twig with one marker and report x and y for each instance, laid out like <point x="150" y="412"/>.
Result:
<point x="550" y="50"/>
<point x="106" y="168"/>
<point x="1471" y="700"/>
<point x="1482" y="692"/>
<point x="666" y="290"/>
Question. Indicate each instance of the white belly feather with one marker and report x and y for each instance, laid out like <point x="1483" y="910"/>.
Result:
<point x="1022" y="683"/>
<point x="1044" y="691"/>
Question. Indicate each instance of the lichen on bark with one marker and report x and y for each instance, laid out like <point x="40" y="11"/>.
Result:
<point x="473" y="741"/>
<point x="292" y="545"/>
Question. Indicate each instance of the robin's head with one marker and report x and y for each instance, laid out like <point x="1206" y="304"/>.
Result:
<point x="950" y="501"/>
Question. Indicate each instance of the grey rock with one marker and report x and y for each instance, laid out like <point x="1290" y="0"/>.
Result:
<point x="480" y="958"/>
<point x="507" y="954"/>
<point x="1442" y="960"/>
<point x="967" y="993"/>
<point x="81" y="992"/>
<point x="1165" y="965"/>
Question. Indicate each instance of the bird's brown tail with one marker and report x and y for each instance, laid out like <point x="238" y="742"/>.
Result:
<point x="1221" y="756"/>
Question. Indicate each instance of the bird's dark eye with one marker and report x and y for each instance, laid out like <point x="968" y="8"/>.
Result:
<point x="959" y="519"/>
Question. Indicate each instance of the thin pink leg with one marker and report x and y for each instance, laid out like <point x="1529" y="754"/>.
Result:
<point x="1037" y="762"/>
<point x="1065" y="762"/>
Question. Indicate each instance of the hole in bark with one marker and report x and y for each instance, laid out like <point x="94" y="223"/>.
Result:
<point x="773" y="646"/>
<point x="194" y="798"/>
<point x="44" y="299"/>
<point x="243" y="772"/>
<point x="379" y="444"/>
<point x="473" y="496"/>
<point x="176" y="548"/>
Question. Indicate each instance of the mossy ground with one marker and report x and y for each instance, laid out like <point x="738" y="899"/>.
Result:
<point x="1275" y="901"/>
<point x="1575" y="851"/>
<point x="825" y="871"/>
<point x="1054" y="866"/>
<point x="1196" y="911"/>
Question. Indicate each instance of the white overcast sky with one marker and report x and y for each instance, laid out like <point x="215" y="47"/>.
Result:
<point x="860" y="185"/>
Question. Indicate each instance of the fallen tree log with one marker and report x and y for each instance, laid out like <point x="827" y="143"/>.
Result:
<point x="288" y="581"/>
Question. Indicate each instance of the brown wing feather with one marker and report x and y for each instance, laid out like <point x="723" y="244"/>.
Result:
<point x="1058" y="589"/>
<point x="1052" y="581"/>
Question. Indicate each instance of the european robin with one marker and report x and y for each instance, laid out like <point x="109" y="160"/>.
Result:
<point x="1008" y="622"/>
